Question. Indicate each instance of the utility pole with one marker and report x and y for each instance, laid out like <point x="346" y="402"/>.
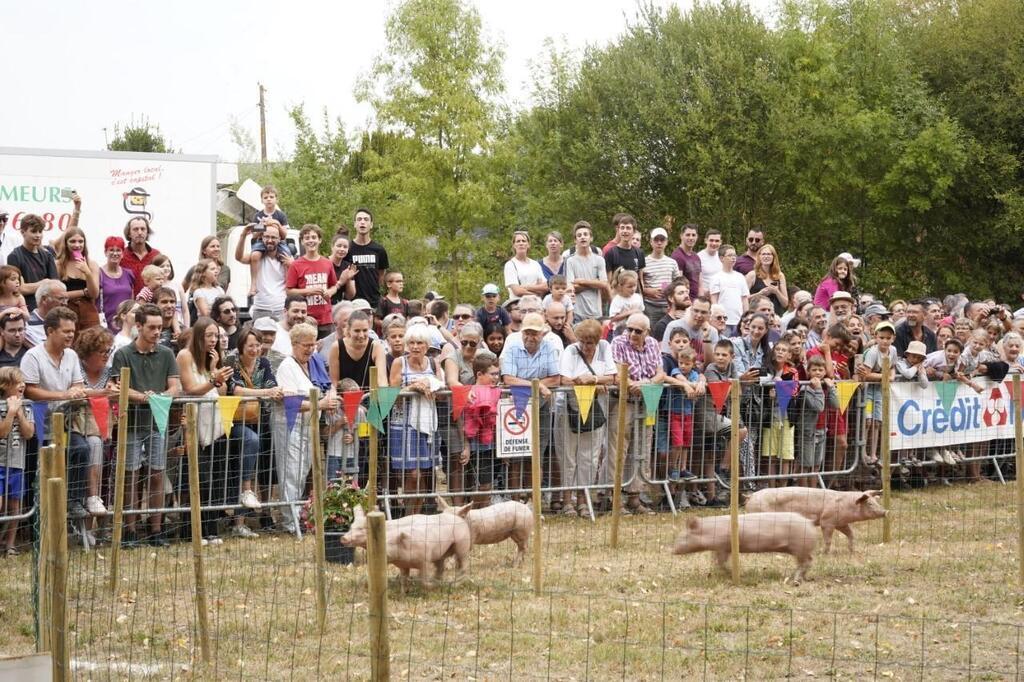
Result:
<point x="263" y="127"/>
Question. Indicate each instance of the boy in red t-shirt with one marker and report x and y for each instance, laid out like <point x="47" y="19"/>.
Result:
<point x="311" y="275"/>
<point x="837" y="368"/>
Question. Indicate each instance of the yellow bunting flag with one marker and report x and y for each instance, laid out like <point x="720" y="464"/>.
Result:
<point x="228" y="404"/>
<point x="846" y="389"/>
<point x="585" y="398"/>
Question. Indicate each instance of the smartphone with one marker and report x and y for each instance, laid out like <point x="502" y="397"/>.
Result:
<point x="66" y="193"/>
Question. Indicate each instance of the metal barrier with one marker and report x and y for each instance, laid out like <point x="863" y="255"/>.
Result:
<point x="223" y="469"/>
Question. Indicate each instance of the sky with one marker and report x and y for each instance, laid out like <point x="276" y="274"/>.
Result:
<point x="71" y="69"/>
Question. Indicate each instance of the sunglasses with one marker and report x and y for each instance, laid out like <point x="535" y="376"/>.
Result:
<point x="461" y="317"/>
<point x="635" y="330"/>
<point x="721" y="317"/>
<point x="470" y="344"/>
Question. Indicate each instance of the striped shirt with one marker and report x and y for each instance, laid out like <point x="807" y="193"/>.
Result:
<point x="643" y="364"/>
<point x="657" y="273"/>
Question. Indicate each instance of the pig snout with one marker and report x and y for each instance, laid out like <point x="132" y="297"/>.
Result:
<point x="354" y="538"/>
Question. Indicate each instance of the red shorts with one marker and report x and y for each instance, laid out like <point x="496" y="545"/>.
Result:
<point x="680" y="430"/>
<point x="835" y="422"/>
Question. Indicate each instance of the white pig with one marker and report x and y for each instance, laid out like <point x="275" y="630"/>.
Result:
<point x="832" y="509"/>
<point x="419" y="540"/>
<point x="767" y="532"/>
<point x="497" y="523"/>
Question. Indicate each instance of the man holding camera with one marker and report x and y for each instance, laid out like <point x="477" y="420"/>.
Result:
<point x="273" y="269"/>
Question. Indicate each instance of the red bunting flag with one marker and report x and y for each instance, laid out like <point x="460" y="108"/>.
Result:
<point x="460" y="394"/>
<point x="101" y="413"/>
<point x="719" y="392"/>
<point x="350" y="400"/>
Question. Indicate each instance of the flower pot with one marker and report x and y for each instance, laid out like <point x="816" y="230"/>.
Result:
<point x="334" y="551"/>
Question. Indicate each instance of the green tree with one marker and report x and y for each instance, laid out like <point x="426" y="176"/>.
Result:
<point x="139" y="136"/>
<point x="434" y="87"/>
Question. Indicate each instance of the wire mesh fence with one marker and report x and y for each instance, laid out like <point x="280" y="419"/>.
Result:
<point x="935" y="599"/>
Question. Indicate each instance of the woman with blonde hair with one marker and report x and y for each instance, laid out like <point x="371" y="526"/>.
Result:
<point x="80" y="275"/>
<point x="767" y="279"/>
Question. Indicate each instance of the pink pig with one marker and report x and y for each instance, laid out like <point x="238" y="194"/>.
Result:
<point x="768" y="532"/>
<point x="416" y="541"/>
<point x="497" y="523"/>
<point x="831" y="509"/>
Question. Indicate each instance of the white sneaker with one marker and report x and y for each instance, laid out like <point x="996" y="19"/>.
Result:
<point x="948" y="458"/>
<point x="937" y="457"/>
<point x="94" y="505"/>
<point x="243" y="531"/>
<point x="249" y="500"/>
<point x="213" y="541"/>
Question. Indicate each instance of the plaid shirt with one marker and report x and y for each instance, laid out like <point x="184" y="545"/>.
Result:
<point x="643" y="364"/>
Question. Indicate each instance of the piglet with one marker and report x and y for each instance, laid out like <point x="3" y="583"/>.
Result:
<point x="768" y="532"/>
<point x="416" y="541"/>
<point x="832" y="509"/>
<point x="497" y="523"/>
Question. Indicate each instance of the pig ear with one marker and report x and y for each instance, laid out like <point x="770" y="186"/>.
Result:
<point x="463" y="511"/>
<point x="402" y="537"/>
<point x="358" y="512"/>
<point x="864" y="497"/>
<point x="691" y="523"/>
<point x="442" y="503"/>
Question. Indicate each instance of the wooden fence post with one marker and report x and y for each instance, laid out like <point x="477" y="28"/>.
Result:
<point x="121" y="456"/>
<point x="319" y="550"/>
<point x="377" y="574"/>
<point x="58" y="565"/>
<point x="195" y="504"/>
<point x="620" y="453"/>
<point x="535" y="475"/>
<point x="46" y="466"/>
<point x="734" y="483"/>
<point x="1018" y="436"/>
<point x="371" y="480"/>
<point x="886" y="450"/>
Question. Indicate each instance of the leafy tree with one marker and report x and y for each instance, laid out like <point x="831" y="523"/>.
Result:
<point x="138" y="136"/>
<point x="434" y="88"/>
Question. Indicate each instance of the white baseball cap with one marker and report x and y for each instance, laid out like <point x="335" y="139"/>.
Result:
<point x="845" y="255"/>
<point x="659" y="232"/>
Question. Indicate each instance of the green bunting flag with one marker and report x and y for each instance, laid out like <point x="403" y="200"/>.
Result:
<point x="947" y="393"/>
<point x="652" y="395"/>
<point x="160" y="406"/>
<point x="381" y="403"/>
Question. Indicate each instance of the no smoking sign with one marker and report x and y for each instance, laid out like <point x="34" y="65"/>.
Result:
<point x="515" y="438"/>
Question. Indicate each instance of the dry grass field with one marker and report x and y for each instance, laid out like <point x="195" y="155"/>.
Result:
<point x="941" y="601"/>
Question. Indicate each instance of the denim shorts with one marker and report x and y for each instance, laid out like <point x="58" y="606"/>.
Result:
<point x="873" y="402"/>
<point x="148" y="446"/>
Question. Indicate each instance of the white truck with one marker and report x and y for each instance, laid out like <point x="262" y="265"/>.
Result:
<point x="177" y="192"/>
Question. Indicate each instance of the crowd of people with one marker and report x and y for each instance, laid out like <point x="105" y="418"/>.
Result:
<point x="341" y="322"/>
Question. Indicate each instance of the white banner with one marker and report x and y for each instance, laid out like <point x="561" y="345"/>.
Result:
<point x="176" y="192"/>
<point x="515" y="437"/>
<point x="921" y="418"/>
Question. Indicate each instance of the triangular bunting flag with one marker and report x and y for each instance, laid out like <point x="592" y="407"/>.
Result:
<point x="374" y="418"/>
<point x="292" y="405"/>
<point x="487" y="395"/>
<point x="101" y="413"/>
<point x="39" y="410"/>
<point x="228" y="404"/>
<point x="719" y="392"/>
<point x="651" y="394"/>
<point x="585" y="399"/>
<point x="160" y="406"/>
<point x="386" y="397"/>
<point x="350" y="400"/>
<point x="947" y="393"/>
<point x="785" y="391"/>
<point x="845" y="390"/>
<point x="520" y="398"/>
<point x="460" y="394"/>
